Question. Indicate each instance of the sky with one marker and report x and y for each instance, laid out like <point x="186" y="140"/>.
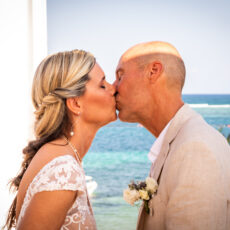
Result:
<point x="199" y="29"/>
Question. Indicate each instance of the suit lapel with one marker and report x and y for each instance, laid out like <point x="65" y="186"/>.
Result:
<point x="157" y="167"/>
<point x="183" y="114"/>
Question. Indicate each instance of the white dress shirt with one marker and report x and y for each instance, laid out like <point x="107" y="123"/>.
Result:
<point x="156" y="147"/>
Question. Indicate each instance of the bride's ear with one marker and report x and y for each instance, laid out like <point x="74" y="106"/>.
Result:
<point x="73" y="105"/>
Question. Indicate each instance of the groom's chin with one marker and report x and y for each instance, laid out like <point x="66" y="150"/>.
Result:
<point x="119" y="114"/>
<point x="123" y="117"/>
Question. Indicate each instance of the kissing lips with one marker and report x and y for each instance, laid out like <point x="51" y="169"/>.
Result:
<point x="118" y="107"/>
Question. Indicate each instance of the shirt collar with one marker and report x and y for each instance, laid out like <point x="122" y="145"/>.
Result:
<point x="156" y="147"/>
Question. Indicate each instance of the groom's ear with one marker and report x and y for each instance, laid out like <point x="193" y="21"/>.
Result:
<point x="154" y="71"/>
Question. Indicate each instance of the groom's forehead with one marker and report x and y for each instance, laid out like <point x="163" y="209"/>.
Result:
<point x="124" y="64"/>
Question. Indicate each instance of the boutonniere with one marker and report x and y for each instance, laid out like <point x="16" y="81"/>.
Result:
<point x="142" y="190"/>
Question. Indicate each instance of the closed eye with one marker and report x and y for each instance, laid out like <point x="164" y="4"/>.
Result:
<point x="102" y="82"/>
<point x="119" y="74"/>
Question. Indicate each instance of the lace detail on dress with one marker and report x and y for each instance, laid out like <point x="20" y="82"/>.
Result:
<point x="64" y="173"/>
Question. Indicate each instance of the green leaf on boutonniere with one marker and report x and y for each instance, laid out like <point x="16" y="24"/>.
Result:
<point x="146" y="206"/>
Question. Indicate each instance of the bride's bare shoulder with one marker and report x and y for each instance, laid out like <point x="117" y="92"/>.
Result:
<point x="49" y="151"/>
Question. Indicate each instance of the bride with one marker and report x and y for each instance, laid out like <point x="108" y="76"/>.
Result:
<point x="72" y="101"/>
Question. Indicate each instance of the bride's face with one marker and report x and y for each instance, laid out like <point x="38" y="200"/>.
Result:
<point x="98" y="101"/>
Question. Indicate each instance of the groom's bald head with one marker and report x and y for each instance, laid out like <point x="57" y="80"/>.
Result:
<point x="149" y="80"/>
<point x="146" y="53"/>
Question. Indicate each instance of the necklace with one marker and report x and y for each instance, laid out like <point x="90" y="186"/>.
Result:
<point x="73" y="148"/>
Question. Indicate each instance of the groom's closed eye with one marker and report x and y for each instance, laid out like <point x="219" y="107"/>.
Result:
<point x="119" y="74"/>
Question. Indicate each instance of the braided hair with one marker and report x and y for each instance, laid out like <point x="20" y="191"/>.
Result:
<point x="58" y="77"/>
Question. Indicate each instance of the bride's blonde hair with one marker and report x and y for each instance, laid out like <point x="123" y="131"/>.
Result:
<point x="58" y="77"/>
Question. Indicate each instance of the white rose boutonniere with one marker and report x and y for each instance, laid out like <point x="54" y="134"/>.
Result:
<point x="142" y="190"/>
<point x="151" y="184"/>
<point x="131" y="196"/>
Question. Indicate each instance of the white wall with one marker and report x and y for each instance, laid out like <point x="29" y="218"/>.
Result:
<point x="23" y="43"/>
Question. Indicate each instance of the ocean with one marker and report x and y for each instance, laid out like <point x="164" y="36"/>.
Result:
<point x="119" y="154"/>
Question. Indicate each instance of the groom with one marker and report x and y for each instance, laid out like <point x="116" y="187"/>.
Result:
<point x="190" y="159"/>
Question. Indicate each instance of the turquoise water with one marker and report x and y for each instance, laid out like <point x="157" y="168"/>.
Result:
<point x="119" y="154"/>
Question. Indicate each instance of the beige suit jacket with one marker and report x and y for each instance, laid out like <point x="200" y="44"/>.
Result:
<point x="193" y="172"/>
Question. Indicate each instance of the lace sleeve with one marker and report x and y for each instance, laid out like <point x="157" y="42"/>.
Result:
<point x="62" y="173"/>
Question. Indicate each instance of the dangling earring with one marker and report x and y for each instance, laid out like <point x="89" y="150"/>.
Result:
<point x="71" y="131"/>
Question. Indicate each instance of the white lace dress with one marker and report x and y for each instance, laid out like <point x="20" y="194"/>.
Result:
<point x="64" y="173"/>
